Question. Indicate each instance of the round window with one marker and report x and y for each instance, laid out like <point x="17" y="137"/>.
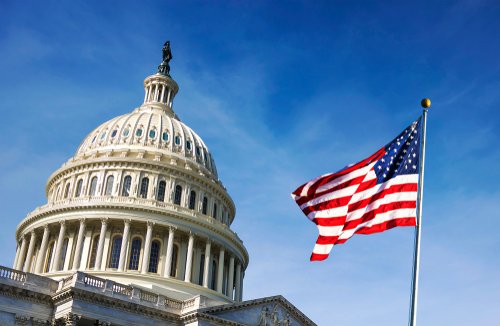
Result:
<point x="138" y="132"/>
<point x="152" y="133"/>
<point x="126" y="131"/>
<point x="113" y="134"/>
<point x="164" y="136"/>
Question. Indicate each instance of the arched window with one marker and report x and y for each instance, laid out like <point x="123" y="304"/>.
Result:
<point x="58" y="193"/>
<point x="93" y="251"/>
<point x="214" y="274"/>
<point x="175" y="253"/>
<point x="93" y="186"/>
<point x="214" y="212"/>
<point x="48" y="261"/>
<point x="154" y="256"/>
<point x="192" y="199"/>
<point x="135" y="253"/>
<point x="143" y="192"/>
<point x="79" y="188"/>
<point x="109" y="185"/>
<point x="64" y="250"/>
<point x="161" y="191"/>
<point x="115" y="252"/>
<point x="202" y="269"/>
<point x="204" y="206"/>
<point x="66" y="190"/>
<point x="127" y="181"/>
<point x="177" y="195"/>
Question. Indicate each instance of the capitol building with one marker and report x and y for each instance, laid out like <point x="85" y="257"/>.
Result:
<point x="136" y="231"/>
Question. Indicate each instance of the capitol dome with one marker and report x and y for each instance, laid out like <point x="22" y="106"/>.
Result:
<point x="139" y="203"/>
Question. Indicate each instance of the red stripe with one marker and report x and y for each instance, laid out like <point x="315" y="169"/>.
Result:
<point x="333" y="203"/>
<point x="325" y="240"/>
<point x="404" y="221"/>
<point x="318" y="257"/>
<point x="299" y="190"/>
<point x="405" y="187"/>
<point x="330" y="221"/>
<point x="343" y="185"/>
<point x="381" y="209"/>
<point x="367" y="185"/>
<point x="374" y="157"/>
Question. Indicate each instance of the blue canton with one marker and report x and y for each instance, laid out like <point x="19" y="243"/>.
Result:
<point x="402" y="154"/>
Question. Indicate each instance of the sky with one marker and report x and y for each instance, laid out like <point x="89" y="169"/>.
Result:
<point x="281" y="92"/>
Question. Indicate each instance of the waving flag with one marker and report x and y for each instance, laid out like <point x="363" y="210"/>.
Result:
<point x="373" y="195"/>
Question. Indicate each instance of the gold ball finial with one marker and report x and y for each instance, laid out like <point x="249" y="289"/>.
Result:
<point x="426" y="103"/>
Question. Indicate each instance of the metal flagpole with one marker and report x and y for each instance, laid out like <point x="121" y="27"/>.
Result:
<point x="426" y="103"/>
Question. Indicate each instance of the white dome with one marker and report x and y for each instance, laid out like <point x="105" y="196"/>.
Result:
<point x="151" y="129"/>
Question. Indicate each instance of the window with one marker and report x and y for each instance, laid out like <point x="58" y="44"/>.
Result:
<point x="161" y="191"/>
<point x="93" y="251"/>
<point x="66" y="191"/>
<point x="113" y="133"/>
<point x="143" y="192"/>
<point x="48" y="262"/>
<point x="177" y="140"/>
<point x="204" y="206"/>
<point x="79" y="188"/>
<point x="93" y="186"/>
<point x="214" y="213"/>
<point x="126" y="132"/>
<point x="135" y="253"/>
<point x="202" y="269"/>
<point x="189" y="145"/>
<point x="103" y="135"/>
<point x="153" y="257"/>
<point x="198" y="152"/>
<point x="138" y="132"/>
<point x="214" y="274"/>
<point x="115" y="252"/>
<point x="164" y="136"/>
<point x="152" y="133"/>
<point x="177" y="195"/>
<point x="192" y="199"/>
<point x="64" y="250"/>
<point x="127" y="181"/>
<point x="173" y="270"/>
<point x="109" y="185"/>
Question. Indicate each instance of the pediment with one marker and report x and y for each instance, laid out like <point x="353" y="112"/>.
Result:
<point x="269" y="311"/>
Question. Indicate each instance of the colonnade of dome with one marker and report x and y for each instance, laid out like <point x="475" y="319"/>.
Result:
<point x="140" y="202"/>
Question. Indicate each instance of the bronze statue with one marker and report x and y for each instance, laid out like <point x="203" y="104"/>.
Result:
<point x="164" y="67"/>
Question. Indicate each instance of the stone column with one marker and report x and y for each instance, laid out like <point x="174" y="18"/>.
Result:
<point x="123" y="249"/>
<point x="237" y="293"/>
<point x="220" y="272"/>
<point x="22" y="253"/>
<point x="43" y="250"/>
<point x="29" y="255"/>
<point x="206" y="267"/>
<point x="100" y="246"/>
<point x="18" y="249"/>
<point x="241" y="285"/>
<point x="147" y="248"/>
<point x="79" y="244"/>
<point x="230" y="282"/>
<point x="170" y="247"/>
<point x="57" y="257"/>
<point x="189" y="258"/>
<point x="71" y="319"/>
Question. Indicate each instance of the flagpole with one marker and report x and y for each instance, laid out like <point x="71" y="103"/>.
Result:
<point x="426" y="103"/>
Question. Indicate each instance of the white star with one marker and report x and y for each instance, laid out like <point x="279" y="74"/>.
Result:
<point x="383" y="160"/>
<point x="416" y="142"/>
<point x="379" y="167"/>
<point x="414" y="166"/>
<point x="414" y="155"/>
<point x="404" y="150"/>
<point x="385" y="175"/>
<point x="409" y="161"/>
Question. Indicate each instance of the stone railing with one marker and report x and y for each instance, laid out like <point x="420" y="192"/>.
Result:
<point x="12" y="274"/>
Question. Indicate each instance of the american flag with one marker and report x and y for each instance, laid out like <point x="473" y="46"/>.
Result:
<point x="373" y="195"/>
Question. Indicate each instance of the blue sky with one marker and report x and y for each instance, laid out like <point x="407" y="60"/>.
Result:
<point x="282" y="92"/>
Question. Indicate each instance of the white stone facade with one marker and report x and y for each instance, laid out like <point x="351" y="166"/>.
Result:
<point x="136" y="231"/>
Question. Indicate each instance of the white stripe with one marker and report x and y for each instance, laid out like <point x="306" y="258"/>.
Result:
<point x="327" y="213"/>
<point x="368" y="193"/>
<point x="330" y="230"/>
<point x="310" y="183"/>
<point x="339" y="193"/>
<point x="322" y="249"/>
<point x="343" y="178"/>
<point x="391" y="198"/>
<point x="381" y="218"/>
